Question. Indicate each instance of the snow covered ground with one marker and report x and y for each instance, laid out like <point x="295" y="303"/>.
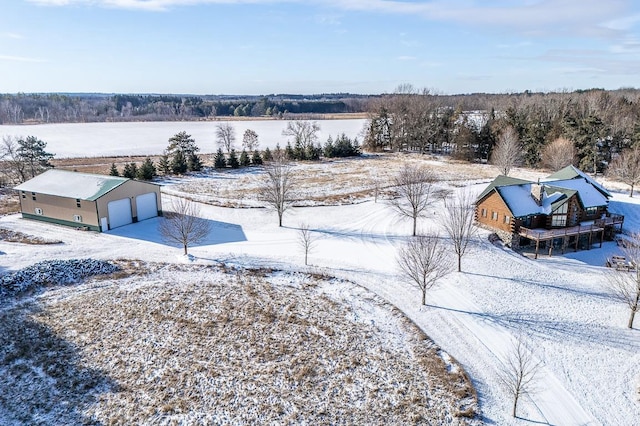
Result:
<point x="560" y="305"/>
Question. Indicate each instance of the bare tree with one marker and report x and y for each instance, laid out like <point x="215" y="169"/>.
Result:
<point x="277" y="187"/>
<point x="226" y="136"/>
<point x="414" y="186"/>
<point x="507" y="152"/>
<point x="11" y="166"/>
<point x="423" y="261"/>
<point x="626" y="167"/>
<point x="304" y="133"/>
<point x="250" y="140"/>
<point x="458" y="222"/>
<point x="625" y="283"/>
<point x="306" y="240"/>
<point x="182" y="225"/>
<point x="519" y="372"/>
<point x="558" y="154"/>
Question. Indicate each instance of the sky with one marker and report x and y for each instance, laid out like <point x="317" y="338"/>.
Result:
<point x="260" y="47"/>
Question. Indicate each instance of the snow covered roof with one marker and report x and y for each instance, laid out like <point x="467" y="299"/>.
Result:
<point x="64" y="183"/>
<point x="501" y="180"/>
<point x="589" y="195"/>
<point x="519" y="200"/>
<point x="571" y="172"/>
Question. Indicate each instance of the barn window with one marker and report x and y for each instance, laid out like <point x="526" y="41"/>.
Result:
<point x="78" y="205"/>
<point x="38" y="211"/>
<point x="507" y="219"/>
<point x="484" y="213"/>
<point x="33" y="196"/>
<point x="77" y="218"/>
<point x="24" y="194"/>
<point x="494" y="215"/>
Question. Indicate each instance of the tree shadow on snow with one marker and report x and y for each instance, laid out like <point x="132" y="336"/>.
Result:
<point x="43" y="378"/>
<point x="148" y="230"/>
<point x="576" y="332"/>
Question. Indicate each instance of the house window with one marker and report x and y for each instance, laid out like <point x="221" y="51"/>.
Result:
<point x="78" y="205"/>
<point x="484" y="213"/>
<point x="77" y="218"/>
<point x="33" y="196"/>
<point x="494" y="215"/>
<point x="559" y="216"/>
<point x="591" y="211"/>
<point x="507" y="219"/>
<point x="38" y="211"/>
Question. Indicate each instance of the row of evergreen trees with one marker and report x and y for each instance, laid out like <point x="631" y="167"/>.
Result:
<point x="343" y="146"/>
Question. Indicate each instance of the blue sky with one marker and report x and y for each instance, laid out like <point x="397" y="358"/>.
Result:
<point x="317" y="46"/>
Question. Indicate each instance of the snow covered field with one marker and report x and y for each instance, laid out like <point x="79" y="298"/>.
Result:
<point x="151" y="138"/>
<point x="560" y="304"/>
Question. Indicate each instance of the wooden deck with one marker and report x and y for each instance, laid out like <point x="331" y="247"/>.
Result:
<point x="597" y="226"/>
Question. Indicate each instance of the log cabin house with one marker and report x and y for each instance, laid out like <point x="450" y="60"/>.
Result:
<point x="568" y="209"/>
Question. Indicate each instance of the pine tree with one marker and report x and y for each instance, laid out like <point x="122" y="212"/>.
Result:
<point x="113" y="171"/>
<point x="233" y="160"/>
<point x="244" y="158"/>
<point x="163" y="165"/>
<point x="289" y="153"/>
<point x="130" y="170"/>
<point x="268" y="156"/>
<point x="328" y="150"/>
<point x="194" y="164"/>
<point x="256" y="159"/>
<point x="147" y="171"/>
<point x="178" y="163"/>
<point x="220" y="162"/>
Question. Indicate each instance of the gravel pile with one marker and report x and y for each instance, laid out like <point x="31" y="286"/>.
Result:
<point x="53" y="272"/>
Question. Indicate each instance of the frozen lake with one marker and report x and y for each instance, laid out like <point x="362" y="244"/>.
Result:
<point x="142" y="138"/>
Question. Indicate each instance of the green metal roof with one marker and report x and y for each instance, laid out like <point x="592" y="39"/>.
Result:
<point x="571" y="172"/>
<point x="64" y="183"/>
<point x="501" y="180"/>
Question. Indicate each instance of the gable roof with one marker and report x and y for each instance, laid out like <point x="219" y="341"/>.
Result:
<point x="520" y="202"/>
<point x="571" y="172"/>
<point x="64" y="183"/>
<point x="588" y="193"/>
<point x="501" y="180"/>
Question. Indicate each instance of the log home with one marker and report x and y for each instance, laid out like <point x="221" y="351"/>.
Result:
<point x="568" y="209"/>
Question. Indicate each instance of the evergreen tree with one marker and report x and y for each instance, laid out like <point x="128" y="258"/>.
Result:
<point x="244" y="158"/>
<point x="328" y="151"/>
<point x="312" y="152"/>
<point x="130" y="170"/>
<point x="220" y="162"/>
<point x="194" y="164"/>
<point x="289" y="152"/>
<point x="179" y="163"/>
<point x="256" y="159"/>
<point x="31" y="153"/>
<point x="147" y="170"/>
<point x="233" y="160"/>
<point x="163" y="165"/>
<point x="113" y="171"/>
<point x="268" y="156"/>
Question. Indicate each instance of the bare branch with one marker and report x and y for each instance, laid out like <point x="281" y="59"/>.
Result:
<point x="226" y="136"/>
<point x="458" y="222"/>
<point x="414" y="187"/>
<point x="307" y="241"/>
<point x="183" y="225"/>
<point x="423" y="261"/>
<point x="507" y="152"/>
<point x="277" y="188"/>
<point x="626" y="168"/>
<point x="519" y="372"/>
<point x="559" y="154"/>
<point x="625" y="284"/>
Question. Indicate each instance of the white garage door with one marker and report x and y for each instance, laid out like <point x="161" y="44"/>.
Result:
<point x="119" y="213"/>
<point x="147" y="206"/>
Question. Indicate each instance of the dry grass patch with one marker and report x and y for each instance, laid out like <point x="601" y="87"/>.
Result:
<point x="19" y="237"/>
<point x="203" y="345"/>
